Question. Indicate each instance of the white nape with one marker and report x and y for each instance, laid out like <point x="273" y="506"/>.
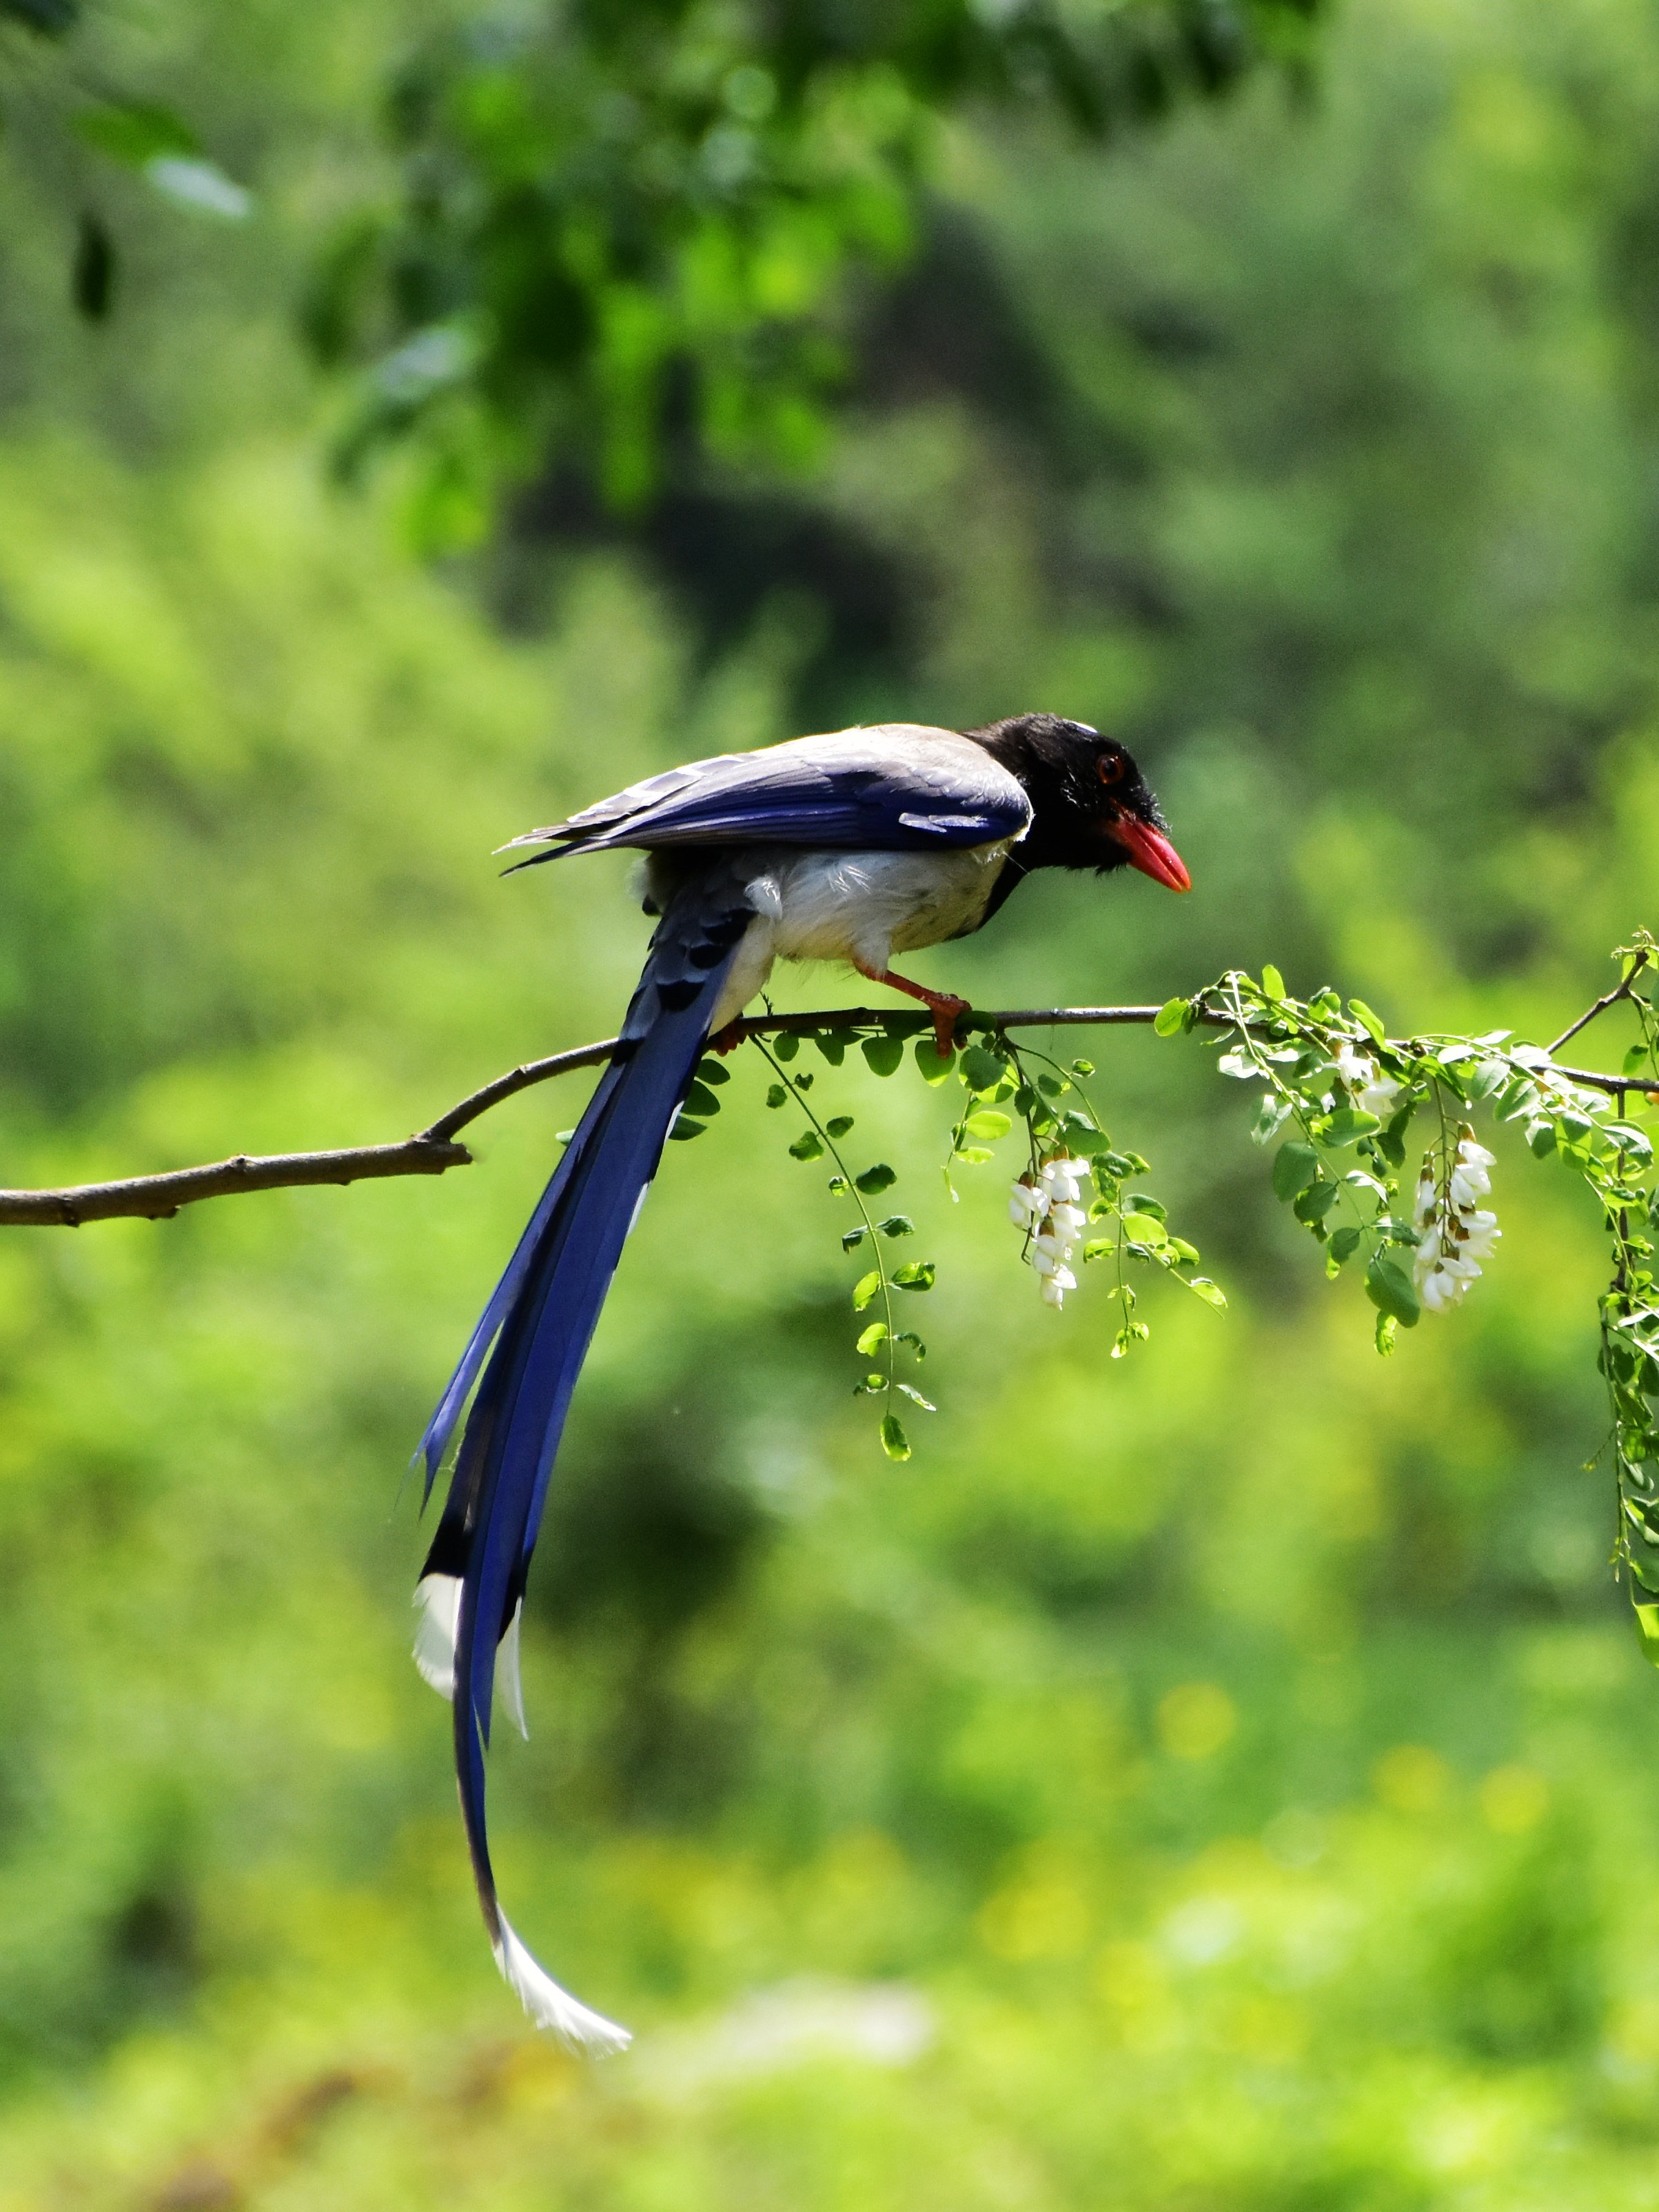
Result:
<point x="438" y="1600"/>
<point x="509" y="1687"/>
<point x="549" y="2006"/>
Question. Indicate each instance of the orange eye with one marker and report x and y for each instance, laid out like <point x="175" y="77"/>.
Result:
<point x="1110" y="767"/>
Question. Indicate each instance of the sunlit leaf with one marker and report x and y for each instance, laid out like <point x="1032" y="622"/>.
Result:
<point x="1390" y="1288"/>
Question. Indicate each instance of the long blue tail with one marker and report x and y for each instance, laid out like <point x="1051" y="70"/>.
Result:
<point x="539" y="1321"/>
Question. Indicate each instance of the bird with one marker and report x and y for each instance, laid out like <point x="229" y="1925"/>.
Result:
<point x="855" y="845"/>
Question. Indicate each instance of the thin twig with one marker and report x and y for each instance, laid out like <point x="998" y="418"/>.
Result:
<point x="432" y="1151"/>
<point x="1621" y="990"/>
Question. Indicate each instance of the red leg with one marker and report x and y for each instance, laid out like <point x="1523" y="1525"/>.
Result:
<point x="943" y="1004"/>
<point x="729" y="1038"/>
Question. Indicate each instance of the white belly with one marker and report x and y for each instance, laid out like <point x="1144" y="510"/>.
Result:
<point x="861" y="907"/>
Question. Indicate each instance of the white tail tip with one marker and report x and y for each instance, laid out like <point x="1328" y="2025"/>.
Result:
<point x="549" y="2006"/>
<point x="438" y="1601"/>
<point x="508" y="1687"/>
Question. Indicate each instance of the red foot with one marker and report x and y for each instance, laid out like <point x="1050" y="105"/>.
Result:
<point x="729" y="1038"/>
<point x="945" y="1008"/>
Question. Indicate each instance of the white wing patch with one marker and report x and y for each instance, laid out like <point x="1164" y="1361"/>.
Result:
<point x="548" y="2006"/>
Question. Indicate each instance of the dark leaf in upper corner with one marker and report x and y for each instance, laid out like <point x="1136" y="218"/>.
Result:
<point x="51" y="18"/>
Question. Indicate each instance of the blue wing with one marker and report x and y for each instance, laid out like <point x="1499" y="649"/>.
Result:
<point x="899" y="786"/>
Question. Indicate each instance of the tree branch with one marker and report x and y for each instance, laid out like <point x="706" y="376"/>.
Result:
<point x="432" y="1151"/>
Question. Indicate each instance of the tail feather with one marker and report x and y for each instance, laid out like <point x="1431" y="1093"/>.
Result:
<point x="524" y="1357"/>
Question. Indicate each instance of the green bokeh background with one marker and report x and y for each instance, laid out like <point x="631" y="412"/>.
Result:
<point x="1222" y="1778"/>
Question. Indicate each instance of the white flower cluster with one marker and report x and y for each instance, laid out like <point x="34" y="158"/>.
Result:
<point x="1047" y="1209"/>
<point x="1371" y="1090"/>
<point x="1457" y="1231"/>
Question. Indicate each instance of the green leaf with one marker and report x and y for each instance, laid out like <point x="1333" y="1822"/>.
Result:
<point x="1390" y="1288"/>
<point x="839" y="1124"/>
<point x="898" y="1225"/>
<point x="1315" y="1202"/>
<point x="865" y="1289"/>
<point x="909" y="1336"/>
<point x="710" y="1070"/>
<point x="1142" y="1201"/>
<point x="1271" y="982"/>
<point x="1173" y="1016"/>
<point x="809" y="1145"/>
<point x="683" y="1131"/>
<point x="884" y="1054"/>
<point x="776" y="1095"/>
<point x="852" y="1238"/>
<point x="911" y="1392"/>
<point x="933" y="1070"/>
<point x="1368" y="1021"/>
<point x="1348" y="1124"/>
<point x="877" y="1178"/>
<point x="894" y="1442"/>
<point x="1295" y="1166"/>
<point x="135" y="134"/>
<point x="1083" y="1067"/>
<point x="987" y="1124"/>
<point x="979" y="1069"/>
<point x="1542" y="1140"/>
<point x="784" y="1045"/>
<point x="975" y="1155"/>
<point x="1270" y="1118"/>
<point x="833" y="1044"/>
<point x="917" y="1275"/>
<point x="803" y="1082"/>
<point x="1212" y="1293"/>
<point x="1143" y="1228"/>
<point x="1344" y="1244"/>
<point x="870" y="1340"/>
<point x="92" y="279"/>
<point x="700" y="1099"/>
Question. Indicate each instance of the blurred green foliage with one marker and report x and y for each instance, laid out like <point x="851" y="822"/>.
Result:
<point x="1222" y="1777"/>
<point x="624" y="231"/>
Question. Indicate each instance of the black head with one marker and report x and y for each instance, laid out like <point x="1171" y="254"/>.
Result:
<point x="1090" y="806"/>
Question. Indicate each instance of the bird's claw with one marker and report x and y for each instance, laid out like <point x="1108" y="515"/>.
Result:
<point x="947" y="1010"/>
<point x="728" y="1039"/>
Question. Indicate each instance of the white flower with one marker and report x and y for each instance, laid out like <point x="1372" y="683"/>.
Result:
<point x="1062" y="1178"/>
<point x="1049" y="1255"/>
<point x="1371" y="1091"/>
<point x="1354" y="1068"/>
<point x="1426" y="1204"/>
<point x="1026" y="1204"/>
<point x="1469" y="1178"/>
<point x="1055" y="1286"/>
<point x="1066" y="1221"/>
<point x="1440" y="1289"/>
<point x="1475" y="1234"/>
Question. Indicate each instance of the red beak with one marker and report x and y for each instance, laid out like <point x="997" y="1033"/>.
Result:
<point x="1151" y="851"/>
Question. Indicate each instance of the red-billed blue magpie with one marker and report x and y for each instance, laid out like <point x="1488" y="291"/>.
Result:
<point x="851" y="847"/>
